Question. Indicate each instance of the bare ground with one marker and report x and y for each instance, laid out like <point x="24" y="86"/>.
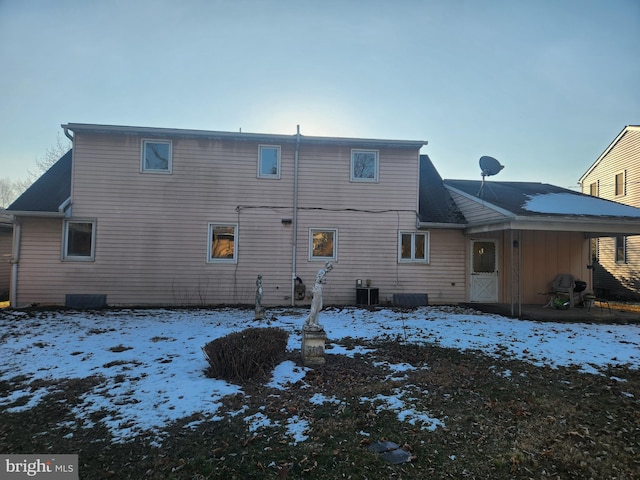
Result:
<point x="503" y="419"/>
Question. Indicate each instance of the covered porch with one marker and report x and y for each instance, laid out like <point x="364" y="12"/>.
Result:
<point x="530" y="254"/>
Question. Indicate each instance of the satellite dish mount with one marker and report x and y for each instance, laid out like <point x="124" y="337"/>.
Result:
<point x="488" y="166"/>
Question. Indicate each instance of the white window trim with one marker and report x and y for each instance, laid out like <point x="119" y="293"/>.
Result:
<point x="233" y="260"/>
<point x="624" y="250"/>
<point x="377" y="168"/>
<point x="169" y="169"/>
<point x="263" y="175"/>
<point x="335" y="244"/>
<point x="427" y="249"/>
<point x="65" y="240"/>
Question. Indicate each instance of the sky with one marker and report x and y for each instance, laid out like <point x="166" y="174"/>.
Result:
<point x="544" y="86"/>
<point x="147" y="359"/>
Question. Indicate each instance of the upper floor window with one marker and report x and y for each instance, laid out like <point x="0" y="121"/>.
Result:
<point x="323" y="244"/>
<point x="364" y="165"/>
<point x="621" y="249"/>
<point x="268" y="161"/>
<point x="79" y="240"/>
<point x="594" y="191"/>
<point x="620" y="184"/>
<point x="156" y="156"/>
<point x="223" y="244"/>
<point x="413" y="247"/>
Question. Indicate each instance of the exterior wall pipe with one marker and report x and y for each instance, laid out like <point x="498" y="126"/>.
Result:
<point x="15" y="258"/>
<point x="294" y="223"/>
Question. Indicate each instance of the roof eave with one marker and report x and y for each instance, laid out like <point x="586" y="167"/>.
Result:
<point x="29" y="213"/>
<point x="240" y="136"/>
<point x="442" y="225"/>
<point x="607" y="150"/>
<point x="563" y="223"/>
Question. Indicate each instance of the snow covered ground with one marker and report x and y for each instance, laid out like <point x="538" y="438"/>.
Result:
<point x="150" y="365"/>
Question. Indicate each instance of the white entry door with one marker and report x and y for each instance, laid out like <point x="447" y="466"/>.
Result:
<point x="484" y="271"/>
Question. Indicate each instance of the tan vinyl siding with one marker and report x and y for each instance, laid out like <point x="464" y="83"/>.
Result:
<point x="543" y="255"/>
<point x="152" y="229"/>
<point x="475" y="212"/>
<point x="40" y="276"/>
<point x="6" y="242"/>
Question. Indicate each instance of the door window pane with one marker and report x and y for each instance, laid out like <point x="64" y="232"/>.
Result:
<point x="484" y="257"/>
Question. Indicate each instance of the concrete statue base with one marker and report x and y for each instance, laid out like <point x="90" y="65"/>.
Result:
<point x="313" y="342"/>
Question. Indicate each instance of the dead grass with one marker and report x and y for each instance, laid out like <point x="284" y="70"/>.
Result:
<point x="503" y="419"/>
<point x="624" y="306"/>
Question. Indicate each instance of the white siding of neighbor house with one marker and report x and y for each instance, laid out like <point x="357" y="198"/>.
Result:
<point x="611" y="278"/>
<point x="152" y="229"/>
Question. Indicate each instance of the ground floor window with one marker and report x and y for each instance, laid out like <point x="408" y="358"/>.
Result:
<point x="323" y="244"/>
<point x="413" y="247"/>
<point x="223" y="244"/>
<point x="79" y="240"/>
<point x="621" y="249"/>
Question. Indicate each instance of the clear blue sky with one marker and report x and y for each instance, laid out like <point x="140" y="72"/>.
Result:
<point x="542" y="85"/>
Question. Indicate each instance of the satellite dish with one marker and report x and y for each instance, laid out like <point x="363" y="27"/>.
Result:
<point x="490" y="166"/>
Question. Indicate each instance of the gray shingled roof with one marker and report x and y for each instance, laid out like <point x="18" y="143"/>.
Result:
<point x="514" y="197"/>
<point x="49" y="191"/>
<point x="435" y="202"/>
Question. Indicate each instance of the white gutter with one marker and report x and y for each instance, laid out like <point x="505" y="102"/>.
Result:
<point x="458" y="226"/>
<point x="243" y="136"/>
<point x="28" y="213"/>
<point x="294" y="223"/>
<point x="17" y="233"/>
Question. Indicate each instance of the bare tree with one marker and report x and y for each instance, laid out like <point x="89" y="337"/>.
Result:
<point x="8" y="192"/>
<point x="51" y="156"/>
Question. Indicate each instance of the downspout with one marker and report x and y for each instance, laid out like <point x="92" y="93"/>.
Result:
<point x="511" y="269"/>
<point x="294" y="223"/>
<point x="17" y="233"/>
<point x="519" y="273"/>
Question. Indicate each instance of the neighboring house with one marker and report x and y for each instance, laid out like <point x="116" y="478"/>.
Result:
<point x="615" y="175"/>
<point x="155" y="216"/>
<point x="6" y="236"/>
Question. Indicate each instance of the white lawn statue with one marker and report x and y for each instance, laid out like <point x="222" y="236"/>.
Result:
<point x="311" y="323"/>
<point x="260" y="311"/>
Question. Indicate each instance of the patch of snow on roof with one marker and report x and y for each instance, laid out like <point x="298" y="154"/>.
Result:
<point x="571" y="204"/>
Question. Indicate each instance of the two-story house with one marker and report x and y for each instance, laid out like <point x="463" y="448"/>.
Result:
<point x="615" y="175"/>
<point x="155" y="216"/>
<point x="158" y="216"/>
